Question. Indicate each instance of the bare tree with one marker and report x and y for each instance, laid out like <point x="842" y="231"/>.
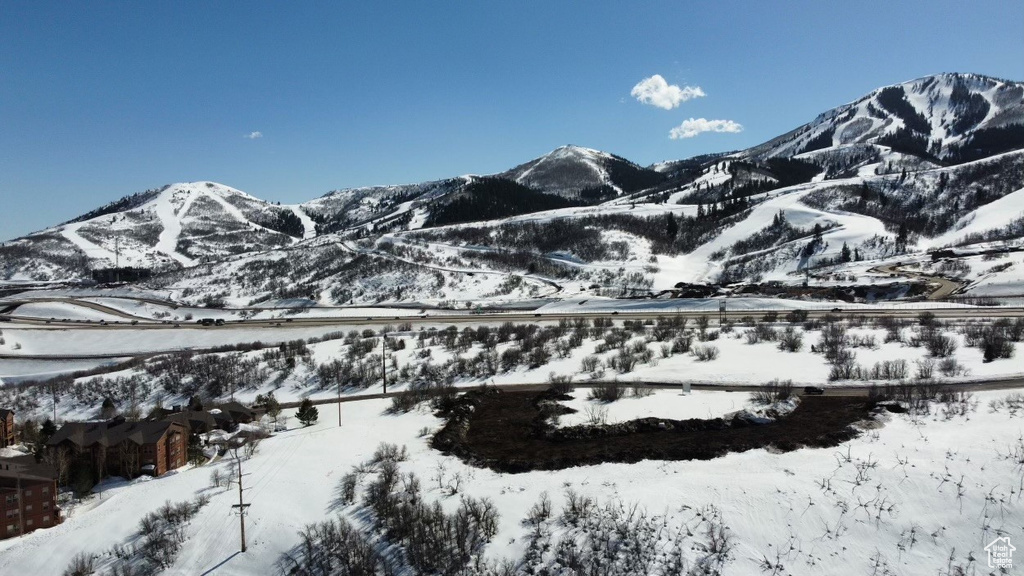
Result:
<point x="60" y="458"/>
<point x="128" y="455"/>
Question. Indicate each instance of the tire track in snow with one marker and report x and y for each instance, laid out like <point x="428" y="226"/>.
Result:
<point x="261" y="475"/>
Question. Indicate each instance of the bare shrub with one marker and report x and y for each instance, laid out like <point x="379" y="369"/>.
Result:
<point x="925" y="368"/>
<point x="590" y="363"/>
<point x="889" y="370"/>
<point x="623" y="362"/>
<point x="833" y="342"/>
<point x="951" y="367"/>
<point x="607" y="392"/>
<point x="681" y="344"/>
<point x="540" y="512"/>
<point x="705" y="353"/>
<point x="641" y="390"/>
<point x="597" y="415"/>
<point x="578" y="508"/>
<point x="387" y="452"/>
<point x="561" y="384"/>
<point x="844" y="366"/>
<point x="791" y="340"/>
<point x="774" y="391"/>
<point x="81" y="565"/>
<point x="796" y="316"/>
<point x="347" y="488"/>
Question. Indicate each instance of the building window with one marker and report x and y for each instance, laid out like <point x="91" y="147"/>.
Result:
<point x="28" y="492"/>
<point x="46" y="489"/>
<point x="28" y="522"/>
<point x="46" y="518"/>
<point x="12" y="528"/>
<point x="46" y="505"/>
<point x="28" y="508"/>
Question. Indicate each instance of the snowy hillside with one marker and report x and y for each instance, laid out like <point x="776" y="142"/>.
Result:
<point x="178" y="226"/>
<point x="908" y="169"/>
<point x="947" y="117"/>
<point x="378" y="207"/>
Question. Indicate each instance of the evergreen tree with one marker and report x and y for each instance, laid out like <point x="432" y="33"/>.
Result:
<point x="671" y="227"/>
<point x="271" y="407"/>
<point x="307" y="414"/>
<point x="195" y="450"/>
<point x="108" y="410"/>
<point x="844" y="254"/>
<point x="48" y="429"/>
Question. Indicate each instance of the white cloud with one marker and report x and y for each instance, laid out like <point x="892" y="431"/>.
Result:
<point x="657" y="92"/>
<point x="694" y="126"/>
<point x="253" y="135"/>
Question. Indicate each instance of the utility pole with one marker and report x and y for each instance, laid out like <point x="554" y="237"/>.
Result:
<point x="241" y="504"/>
<point x="383" y="364"/>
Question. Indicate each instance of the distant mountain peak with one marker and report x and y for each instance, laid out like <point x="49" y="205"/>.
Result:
<point x="571" y="171"/>
<point x="938" y="118"/>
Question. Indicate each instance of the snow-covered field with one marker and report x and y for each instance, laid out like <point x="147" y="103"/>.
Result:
<point x="351" y="359"/>
<point x="63" y="311"/>
<point x="914" y="496"/>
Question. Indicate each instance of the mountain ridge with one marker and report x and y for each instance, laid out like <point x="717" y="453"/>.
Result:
<point x="913" y="126"/>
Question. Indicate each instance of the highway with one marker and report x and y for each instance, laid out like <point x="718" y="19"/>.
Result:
<point x="129" y="322"/>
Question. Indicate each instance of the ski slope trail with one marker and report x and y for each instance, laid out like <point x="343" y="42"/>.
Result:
<point x="992" y="216"/>
<point x="699" y="266"/>
<point x="171" y="221"/>
<point x="308" y="226"/>
<point x="92" y="250"/>
<point x="235" y="213"/>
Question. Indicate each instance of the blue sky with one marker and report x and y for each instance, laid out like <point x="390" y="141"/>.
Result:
<point x="103" y="99"/>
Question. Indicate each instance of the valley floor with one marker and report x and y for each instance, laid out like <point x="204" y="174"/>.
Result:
<point x="913" y="495"/>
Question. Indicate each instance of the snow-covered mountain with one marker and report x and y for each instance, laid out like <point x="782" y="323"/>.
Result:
<point x="378" y="207"/>
<point x="916" y="166"/>
<point x="946" y="118"/>
<point x="573" y="171"/>
<point x="179" y="225"/>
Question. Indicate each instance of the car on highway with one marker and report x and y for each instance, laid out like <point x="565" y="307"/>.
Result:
<point x="814" y="390"/>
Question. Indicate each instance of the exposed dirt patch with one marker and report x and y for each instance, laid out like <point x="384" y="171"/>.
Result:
<point x="510" y="432"/>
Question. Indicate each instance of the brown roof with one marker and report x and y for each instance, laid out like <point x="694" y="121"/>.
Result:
<point x="235" y="407"/>
<point x="107" y="434"/>
<point x="198" y="421"/>
<point x="26" y="468"/>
